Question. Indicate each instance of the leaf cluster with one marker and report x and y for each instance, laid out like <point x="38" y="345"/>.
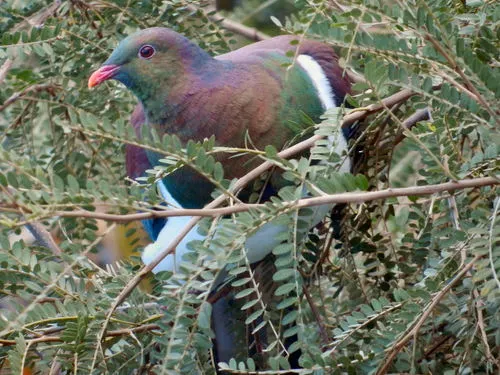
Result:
<point x="342" y="297"/>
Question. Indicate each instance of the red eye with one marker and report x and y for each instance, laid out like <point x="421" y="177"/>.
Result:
<point x="146" y="52"/>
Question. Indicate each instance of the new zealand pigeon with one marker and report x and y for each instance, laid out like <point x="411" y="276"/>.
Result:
<point x="251" y="93"/>
<point x="182" y="90"/>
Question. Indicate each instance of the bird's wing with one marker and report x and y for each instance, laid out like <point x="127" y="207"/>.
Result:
<point x="322" y="53"/>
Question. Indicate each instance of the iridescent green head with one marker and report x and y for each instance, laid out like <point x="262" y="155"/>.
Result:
<point x="151" y="60"/>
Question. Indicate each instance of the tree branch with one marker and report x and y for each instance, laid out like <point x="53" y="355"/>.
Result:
<point x="226" y="23"/>
<point x="37" y="20"/>
<point x="423" y="114"/>
<point x="470" y="86"/>
<point x="414" y="331"/>
<point x="34" y="88"/>
<point x="479" y="305"/>
<point x="354" y="197"/>
<point x="114" y="333"/>
<point x="319" y="319"/>
<point x="360" y="113"/>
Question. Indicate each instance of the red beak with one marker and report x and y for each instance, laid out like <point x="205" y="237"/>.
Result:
<point x="102" y="74"/>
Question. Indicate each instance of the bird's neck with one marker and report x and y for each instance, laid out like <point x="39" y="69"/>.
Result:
<point x="176" y="107"/>
<point x="162" y="109"/>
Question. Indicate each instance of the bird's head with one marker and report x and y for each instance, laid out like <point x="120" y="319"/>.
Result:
<point x="150" y="59"/>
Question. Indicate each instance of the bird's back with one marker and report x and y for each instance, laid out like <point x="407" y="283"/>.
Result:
<point x="322" y="53"/>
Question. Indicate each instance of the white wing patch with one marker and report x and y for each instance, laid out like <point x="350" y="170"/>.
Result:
<point x="171" y="229"/>
<point x="325" y="94"/>
<point x="318" y="77"/>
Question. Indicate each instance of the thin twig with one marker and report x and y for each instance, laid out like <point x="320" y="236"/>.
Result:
<point x="423" y="114"/>
<point x="436" y="346"/>
<point x="34" y="88"/>
<point x="470" y="86"/>
<point x="396" y="348"/>
<point x="322" y="331"/>
<point x="490" y="243"/>
<point x="480" y="323"/>
<point x="114" y="333"/>
<point x="226" y="23"/>
<point x="360" y="113"/>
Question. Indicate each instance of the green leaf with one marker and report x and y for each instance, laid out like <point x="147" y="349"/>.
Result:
<point x="252" y="317"/>
<point x="284" y="274"/>
<point x="244" y="293"/>
<point x="205" y="315"/>
<point x="285" y="289"/>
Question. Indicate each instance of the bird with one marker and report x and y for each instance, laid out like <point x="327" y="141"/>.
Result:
<point x="249" y="93"/>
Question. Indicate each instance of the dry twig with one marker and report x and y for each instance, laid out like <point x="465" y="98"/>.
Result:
<point x="398" y="346"/>
<point x="37" y="20"/>
<point x="226" y="23"/>
<point x="423" y="114"/>
<point x="472" y="91"/>
<point x="34" y="88"/>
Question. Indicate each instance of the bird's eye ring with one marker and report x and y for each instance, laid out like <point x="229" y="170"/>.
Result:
<point x="146" y="52"/>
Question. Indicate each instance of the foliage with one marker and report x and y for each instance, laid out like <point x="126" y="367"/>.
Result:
<point x="424" y="266"/>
